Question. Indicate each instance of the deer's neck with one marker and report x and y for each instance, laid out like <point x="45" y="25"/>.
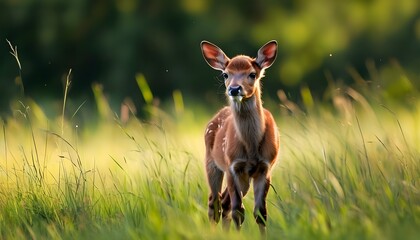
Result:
<point x="249" y="122"/>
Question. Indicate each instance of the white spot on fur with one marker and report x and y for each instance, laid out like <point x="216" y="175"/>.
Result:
<point x="224" y="144"/>
<point x="208" y="128"/>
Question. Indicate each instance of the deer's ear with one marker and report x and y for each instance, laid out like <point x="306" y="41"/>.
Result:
<point x="267" y="54"/>
<point x="214" y="56"/>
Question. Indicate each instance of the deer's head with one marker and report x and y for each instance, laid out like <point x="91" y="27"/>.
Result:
<point x="241" y="73"/>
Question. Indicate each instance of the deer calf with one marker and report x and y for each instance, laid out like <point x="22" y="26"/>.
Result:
<point x="242" y="139"/>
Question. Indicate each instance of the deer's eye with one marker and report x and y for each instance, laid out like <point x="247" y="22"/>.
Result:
<point x="252" y="76"/>
<point x="225" y="75"/>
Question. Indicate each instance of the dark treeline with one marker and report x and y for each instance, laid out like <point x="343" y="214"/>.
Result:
<point x="109" y="42"/>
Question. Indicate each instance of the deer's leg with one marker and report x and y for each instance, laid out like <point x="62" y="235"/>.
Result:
<point x="261" y="187"/>
<point x="226" y="209"/>
<point x="215" y="179"/>
<point x="238" y="186"/>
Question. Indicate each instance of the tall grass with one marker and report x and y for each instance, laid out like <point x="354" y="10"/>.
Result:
<point x="351" y="180"/>
<point x="347" y="170"/>
<point x="338" y="178"/>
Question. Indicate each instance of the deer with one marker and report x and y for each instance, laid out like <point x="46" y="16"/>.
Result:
<point x="242" y="139"/>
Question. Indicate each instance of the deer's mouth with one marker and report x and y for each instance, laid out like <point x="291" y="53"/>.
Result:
<point x="237" y="98"/>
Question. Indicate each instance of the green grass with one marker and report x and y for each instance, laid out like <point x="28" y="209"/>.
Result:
<point x="347" y="170"/>
<point x="353" y="176"/>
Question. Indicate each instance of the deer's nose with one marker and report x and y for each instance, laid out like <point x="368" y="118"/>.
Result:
<point x="234" y="91"/>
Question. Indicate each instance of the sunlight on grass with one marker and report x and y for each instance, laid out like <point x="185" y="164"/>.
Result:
<point x="146" y="180"/>
<point x="347" y="170"/>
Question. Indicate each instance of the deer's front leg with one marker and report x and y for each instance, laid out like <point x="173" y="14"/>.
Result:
<point x="238" y="186"/>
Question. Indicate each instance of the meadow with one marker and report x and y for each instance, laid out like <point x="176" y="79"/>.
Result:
<point x="348" y="169"/>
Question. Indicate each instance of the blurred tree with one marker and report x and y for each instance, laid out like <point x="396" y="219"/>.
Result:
<point x="109" y="42"/>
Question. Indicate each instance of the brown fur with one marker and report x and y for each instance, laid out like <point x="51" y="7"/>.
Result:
<point x="241" y="140"/>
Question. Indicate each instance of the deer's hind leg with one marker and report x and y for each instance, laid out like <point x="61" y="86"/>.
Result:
<point x="215" y="180"/>
<point x="261" y="187"/>
<point x="226" y="209"/>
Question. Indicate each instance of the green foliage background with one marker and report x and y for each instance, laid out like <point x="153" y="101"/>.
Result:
<point x="109" y="42"/>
